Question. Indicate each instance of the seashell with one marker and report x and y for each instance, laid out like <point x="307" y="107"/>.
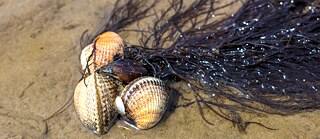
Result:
<point x="84" y="58"/>
<point x="106" y="47"/>
<point x="143" y="101"/>
<point x="124" y="70"/>
<point x="94" y="97"/>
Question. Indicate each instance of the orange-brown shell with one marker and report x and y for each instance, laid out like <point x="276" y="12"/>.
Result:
<point x="93" y="100"/>
<point x="106" y="47"/>
<point x="144" y="100"/>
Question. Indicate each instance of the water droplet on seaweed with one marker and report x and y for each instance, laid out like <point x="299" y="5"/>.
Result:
<point x="246" y="96"/>
<point x="189" y="85"/>
<point x="284" y="76"/>
<point x="314" y="88"/>
<point x="245" y="23"/>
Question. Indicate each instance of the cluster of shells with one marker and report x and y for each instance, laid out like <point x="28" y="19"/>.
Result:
<point x="100" y="98"/>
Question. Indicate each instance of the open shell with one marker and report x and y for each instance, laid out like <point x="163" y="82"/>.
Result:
<point x="103" y="51"/>
<point x="93" y="100"/>
<point x="143" y="101"/>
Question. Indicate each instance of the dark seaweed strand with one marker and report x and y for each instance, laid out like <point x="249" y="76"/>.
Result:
<point x="268" y="51"/>
<point x="280" y="59"/>
<point x="161" y="61"/>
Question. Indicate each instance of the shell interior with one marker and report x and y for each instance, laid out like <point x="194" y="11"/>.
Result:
<point x="120" y="106"/>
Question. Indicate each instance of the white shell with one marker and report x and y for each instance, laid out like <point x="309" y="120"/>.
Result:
<point x="84" y="57"/>
<point x="145" y="100"/>
<point x="120" y="106"/>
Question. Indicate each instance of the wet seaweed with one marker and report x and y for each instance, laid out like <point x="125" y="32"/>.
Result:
<point x="264" y="58"/>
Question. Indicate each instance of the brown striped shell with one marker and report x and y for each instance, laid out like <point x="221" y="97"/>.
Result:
<point x="102" y="51"/>
<point x="93" y="100"/>
<point x="143" y="101"/>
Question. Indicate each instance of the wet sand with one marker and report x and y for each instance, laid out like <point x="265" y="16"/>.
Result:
<point x="40" y="68"/>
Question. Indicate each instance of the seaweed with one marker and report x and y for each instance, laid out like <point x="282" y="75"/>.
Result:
<point x="264" y="58"/>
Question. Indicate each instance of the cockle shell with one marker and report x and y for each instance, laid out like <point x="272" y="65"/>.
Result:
<point x="102" y="51"/>
<point x="94" y="98"/>
<point x="124" y="70"/>
<point x="143" y="101"/>
<point x="84" y="58"/>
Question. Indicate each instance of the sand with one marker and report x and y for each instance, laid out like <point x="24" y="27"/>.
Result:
<point x="40" y="67"/>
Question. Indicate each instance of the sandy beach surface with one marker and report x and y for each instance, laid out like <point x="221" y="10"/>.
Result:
<point x="40" y="67"/>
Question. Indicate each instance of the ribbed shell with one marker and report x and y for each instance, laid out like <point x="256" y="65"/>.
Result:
<point x="145" y="100"/>
<point x="93" y="100"/>
<point x="107" y="45"/>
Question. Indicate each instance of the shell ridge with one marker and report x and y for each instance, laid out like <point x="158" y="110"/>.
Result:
<point x="98" y="103"/>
